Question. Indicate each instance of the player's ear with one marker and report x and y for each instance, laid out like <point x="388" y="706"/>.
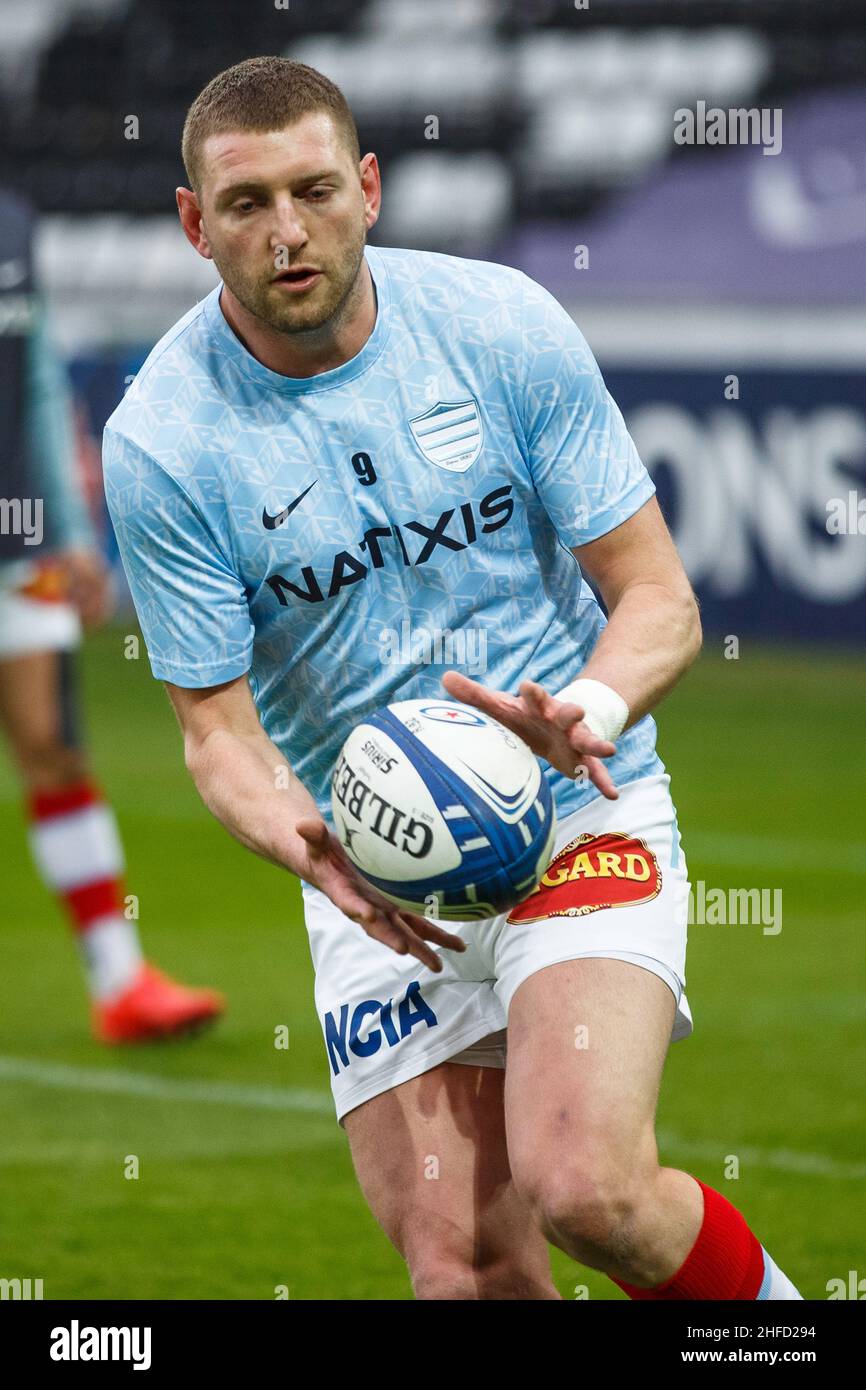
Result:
<point x="371" y="185"/>
<point x="189" y="213"/>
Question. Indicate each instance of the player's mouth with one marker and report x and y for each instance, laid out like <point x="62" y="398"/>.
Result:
<point x="299" y="278"/>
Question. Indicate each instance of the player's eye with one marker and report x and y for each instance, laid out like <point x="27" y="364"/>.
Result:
<point x="247" y="205"/>
<point x="319" y="195"/>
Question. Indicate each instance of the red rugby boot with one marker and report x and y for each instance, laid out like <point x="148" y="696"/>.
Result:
<point x="154" y="1006"/>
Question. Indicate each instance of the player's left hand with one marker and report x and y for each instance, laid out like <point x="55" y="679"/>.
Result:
<point x="553" y="729"/>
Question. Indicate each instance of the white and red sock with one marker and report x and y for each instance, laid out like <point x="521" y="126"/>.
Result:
<point x="77" y="850"/>
<point x="727" y="1261"/>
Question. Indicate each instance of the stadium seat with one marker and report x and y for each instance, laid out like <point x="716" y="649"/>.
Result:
<point x="408" y="19"/>
<point x="462" y="202"/>
<point x="572" y="139"/>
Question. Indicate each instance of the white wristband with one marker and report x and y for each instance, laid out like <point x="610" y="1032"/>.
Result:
<point x="605" y="712"/>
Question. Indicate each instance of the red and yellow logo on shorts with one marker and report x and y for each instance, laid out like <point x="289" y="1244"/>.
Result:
<point x="594" y="871"/>
<point x="46" y="582"/>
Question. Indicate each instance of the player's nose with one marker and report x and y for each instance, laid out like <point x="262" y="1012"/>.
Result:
<point x="288" y="229"/>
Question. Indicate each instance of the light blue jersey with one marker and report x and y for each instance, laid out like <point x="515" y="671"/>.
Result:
<point x="346" y="538"/>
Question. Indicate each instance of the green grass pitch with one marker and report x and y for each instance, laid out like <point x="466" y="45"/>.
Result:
<point x="245" y="1181"/>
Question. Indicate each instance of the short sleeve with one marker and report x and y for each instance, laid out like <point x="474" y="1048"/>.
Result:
<point x="190" y="602"/>
<point x="583" y="462"/>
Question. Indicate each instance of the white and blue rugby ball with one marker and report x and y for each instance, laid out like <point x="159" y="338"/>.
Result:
<point x="443" y="810"/>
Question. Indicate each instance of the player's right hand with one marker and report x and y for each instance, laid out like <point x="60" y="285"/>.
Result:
<point x="326" y="865"/>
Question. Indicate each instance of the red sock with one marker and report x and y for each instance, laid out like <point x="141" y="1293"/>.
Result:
<point x="726" y="1261"/>
<point x="77" y="849"/>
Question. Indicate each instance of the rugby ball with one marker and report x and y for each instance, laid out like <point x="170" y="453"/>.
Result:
<point x="442" y="809"/>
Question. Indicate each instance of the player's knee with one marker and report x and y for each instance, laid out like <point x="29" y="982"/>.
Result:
<point x="446" y="1262"/>
<point x="513" y="1279"/>
<point x="440" y="1259"/>
<point x="442" y="1276"/>
<point x="592" y="1205"/>
<point x="47" y="763"/>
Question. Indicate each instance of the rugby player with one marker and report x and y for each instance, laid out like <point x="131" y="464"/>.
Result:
<point x="340" y="439"/>
<point x="53" y="581"/>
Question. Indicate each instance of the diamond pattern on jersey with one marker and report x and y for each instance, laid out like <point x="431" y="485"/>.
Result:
<point x="456" y="459"/>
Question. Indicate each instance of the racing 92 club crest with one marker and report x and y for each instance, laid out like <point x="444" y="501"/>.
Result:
<point x="449" y="434"/>
<point x="592" y="872"/>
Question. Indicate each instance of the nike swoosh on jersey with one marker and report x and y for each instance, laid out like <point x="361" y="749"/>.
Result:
<point x="272" y="522"/>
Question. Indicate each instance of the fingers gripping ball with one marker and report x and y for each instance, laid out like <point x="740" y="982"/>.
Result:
<point x="432" y="800"/>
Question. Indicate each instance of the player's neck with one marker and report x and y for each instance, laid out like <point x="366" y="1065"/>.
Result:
<point x="307" y="354"/>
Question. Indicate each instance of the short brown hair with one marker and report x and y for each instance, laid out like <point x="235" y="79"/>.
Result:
<point x="262" y="94"/>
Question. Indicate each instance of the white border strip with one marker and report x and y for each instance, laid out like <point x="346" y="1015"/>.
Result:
<point x="700" y="336"/>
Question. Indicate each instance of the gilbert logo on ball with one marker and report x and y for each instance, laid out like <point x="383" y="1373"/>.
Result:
<point x="434" y="801"/>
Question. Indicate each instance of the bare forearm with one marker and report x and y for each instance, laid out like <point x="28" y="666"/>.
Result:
<point x="246" y="783"/>
<point x="652" y="637"/>
<point x="249" y="787"/>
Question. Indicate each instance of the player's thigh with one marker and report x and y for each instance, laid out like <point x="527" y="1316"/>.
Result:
<point x="39" y="717"/>
<point x="432" y="1161"/>
<point x="30" y="700"/>
<point x="587" y="1040"/>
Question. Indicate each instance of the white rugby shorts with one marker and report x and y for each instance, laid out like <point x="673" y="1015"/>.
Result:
<point x="33" y="624"/>
<point x="617" y="886"/>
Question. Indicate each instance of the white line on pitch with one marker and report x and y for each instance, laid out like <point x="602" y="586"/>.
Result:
<point x="292" y="1099"/>
<point x="134" y="1083"/>
<point x="785" y="1160"/>
<point x="763" y="851"/>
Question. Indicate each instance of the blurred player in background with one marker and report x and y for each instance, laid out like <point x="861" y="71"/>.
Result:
<point x="52" y="580"/>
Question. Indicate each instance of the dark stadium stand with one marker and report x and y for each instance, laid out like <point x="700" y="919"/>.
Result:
<point x="543" y="108"/>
